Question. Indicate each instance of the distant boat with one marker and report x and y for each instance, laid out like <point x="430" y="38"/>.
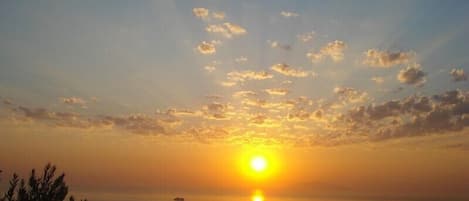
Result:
<point x="178" y="199"/>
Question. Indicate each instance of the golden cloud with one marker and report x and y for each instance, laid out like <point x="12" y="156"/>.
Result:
<point x="334" y="50"/>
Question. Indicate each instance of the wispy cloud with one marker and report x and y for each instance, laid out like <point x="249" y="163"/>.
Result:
<point x="288" y="14"/>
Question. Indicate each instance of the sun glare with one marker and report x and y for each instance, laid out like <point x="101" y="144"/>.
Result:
<point x="257" y="196"/>
<point x="258" y="163"/>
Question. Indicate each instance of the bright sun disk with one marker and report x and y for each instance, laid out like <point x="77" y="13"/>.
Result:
<point x="258" y="164"/>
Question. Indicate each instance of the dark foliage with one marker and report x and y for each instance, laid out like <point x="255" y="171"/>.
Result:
<point x="46" y="187"/>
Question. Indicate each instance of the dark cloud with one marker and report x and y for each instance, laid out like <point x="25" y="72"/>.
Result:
<point x="412" y="75"/>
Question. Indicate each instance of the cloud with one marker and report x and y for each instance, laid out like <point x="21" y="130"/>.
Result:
<point x="377" y="80"/>
<point x="277" y="91"/>
<point x="202" y="13"/>
<point x="239" y="94"/>
<point x="235" y="29"/>
<point x="350" y="94"/>
<point x="385" y="59"/>
<point x="334" y="50"/>
<point x="210" y="68"/>
<point x="288" y="71"/>
<point x="458" y="75"/>
<point x="241" y="59"/>
<point x="306" y="37"/>
<point x="228" y="83"/>
<point x="241" y="76"/>
<point x="298" y="115"/>
<point x="276" y="44"/>
<point x="412" y="75"/>
<point x="228" y="30"/>
<point x="218" y="15"/>
<point x="183" y="112"/>
<point x="287" y="14"/>
<point x="207" y="47"/>
<point x="412" y="116"/>
<point x="74" y="101"/>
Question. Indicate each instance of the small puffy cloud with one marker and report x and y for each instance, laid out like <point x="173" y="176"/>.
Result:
<point x="288" y="14"/>
<point x="277" y="91"/>
<point x="288" y="71"/>
<point x="202" y="13"/>
<point x="377" y="80"/>
<point x="210" y="68"/>
<point x="334" y="50"/>
<point x="385" y="59"/>
<point x="305" y="37"/>
<point x="207" y="47"/>
<point x="276" y="44"/>
<point x="241" y="59"/>
<point x="458" y="75"/>
<point x="412" y="75"/>
<point x="350" y="94"/>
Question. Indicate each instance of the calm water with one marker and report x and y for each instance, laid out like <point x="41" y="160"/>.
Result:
<point x="159" y="197"/>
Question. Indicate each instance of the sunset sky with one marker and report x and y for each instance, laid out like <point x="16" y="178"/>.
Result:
<point x="149" y="100"/>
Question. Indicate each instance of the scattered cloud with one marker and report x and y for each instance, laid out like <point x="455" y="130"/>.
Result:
<point x="385" y="59"/>
<point x="334" y="50"/>
<point x="350" y="94"/>
<point x="458" y="75"/>
<point x="412" y="116"/>
<point x="208" y="47"/>
<point x="228" y="83"/>
<point x="241" y="76"/>
<point x="241" y="59"/>
<point x="200" y="12"/>
<point x="276" y="44"/>
<point x="204" y="13"/>
<point x="218" y="15"/>
<point x="306" y="37"/>
<point x="412" y="75"/>
<point x="285" y="69"/>
<point x="235" y="29"/>
<point x="73" y="101"/>
<point x="228" y="30"/>
<point x="210" y="68"/>
<point x="239" y="94"/>
<point x="378" y="80"/>
<point x="277" y="91"/>
<point x="288" y="14"/>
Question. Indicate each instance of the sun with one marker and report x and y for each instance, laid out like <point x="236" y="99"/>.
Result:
<point x="258" y="163"/>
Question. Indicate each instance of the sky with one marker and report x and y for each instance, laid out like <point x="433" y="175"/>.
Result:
<point x="344" y="99"/>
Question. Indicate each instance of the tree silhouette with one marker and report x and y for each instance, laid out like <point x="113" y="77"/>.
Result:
<point x="43" y="188"/>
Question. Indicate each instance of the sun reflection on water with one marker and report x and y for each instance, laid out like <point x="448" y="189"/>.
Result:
<point x="257" y="196"/>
